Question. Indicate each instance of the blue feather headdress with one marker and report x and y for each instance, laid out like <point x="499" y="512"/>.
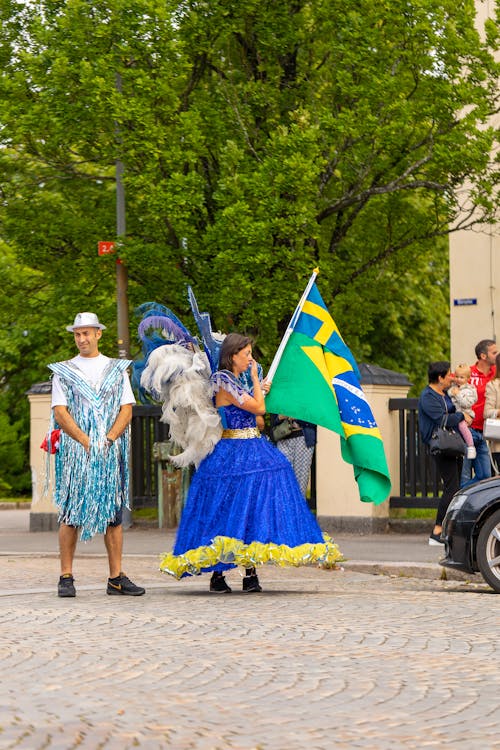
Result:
<point x="159" y="326"/>
<point x="211" y="342"/>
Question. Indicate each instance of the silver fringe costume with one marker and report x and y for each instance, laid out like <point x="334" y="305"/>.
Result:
<point x="91" y="487"/>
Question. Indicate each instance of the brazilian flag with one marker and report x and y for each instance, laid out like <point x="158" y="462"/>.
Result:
<point x="317" y="380"/>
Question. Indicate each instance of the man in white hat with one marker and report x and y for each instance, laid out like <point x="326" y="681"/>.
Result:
<point x="92" y="404"/>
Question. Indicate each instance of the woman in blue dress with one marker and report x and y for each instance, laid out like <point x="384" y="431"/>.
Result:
<point x="244" y="505"/>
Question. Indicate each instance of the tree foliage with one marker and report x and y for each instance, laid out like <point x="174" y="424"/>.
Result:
<point x="260" y="139"/>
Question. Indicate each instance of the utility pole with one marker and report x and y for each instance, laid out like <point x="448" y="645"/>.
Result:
<point x="121" y="270"/>
<point x="121" y="282"/>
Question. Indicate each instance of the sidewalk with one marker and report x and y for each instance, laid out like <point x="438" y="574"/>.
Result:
<point x="387" y="554"/>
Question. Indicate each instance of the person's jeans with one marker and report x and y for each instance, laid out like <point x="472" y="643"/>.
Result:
<point x="481" y="464"/>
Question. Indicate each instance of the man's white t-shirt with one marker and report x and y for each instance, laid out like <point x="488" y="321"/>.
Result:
<point x="92" y="368"/>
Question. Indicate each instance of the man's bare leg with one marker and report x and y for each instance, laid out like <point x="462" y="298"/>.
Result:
<point x="113" y="539"/>
<point x="67" y="546"/>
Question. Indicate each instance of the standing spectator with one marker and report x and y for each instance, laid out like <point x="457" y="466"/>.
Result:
<point x="481" y="374"/>
<point x="436" y="409"/>
<point x="492" y="410"/>
<point x="297" y="446"/>
<point x="92" y="404"/>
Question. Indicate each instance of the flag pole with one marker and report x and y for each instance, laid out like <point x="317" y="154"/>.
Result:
<point x="291" y="326"/>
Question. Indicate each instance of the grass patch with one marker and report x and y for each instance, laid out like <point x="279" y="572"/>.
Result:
<point x="420" y="512"/>
<point x="15" y="499"/>
<point x="148" y="514"/>
<point x="412" y="513"/>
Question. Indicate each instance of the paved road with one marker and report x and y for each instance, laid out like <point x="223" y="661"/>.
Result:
<point x="322" y="660"/>
<point x="404" y="548"/>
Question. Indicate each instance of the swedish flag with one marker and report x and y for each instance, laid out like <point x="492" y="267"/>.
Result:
<point x="317" y="380"/>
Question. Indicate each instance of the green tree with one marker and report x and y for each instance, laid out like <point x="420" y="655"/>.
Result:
<point x="259" y="140"/>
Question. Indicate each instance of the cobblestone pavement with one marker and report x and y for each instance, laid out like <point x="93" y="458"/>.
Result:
<point x="321" y="659"/>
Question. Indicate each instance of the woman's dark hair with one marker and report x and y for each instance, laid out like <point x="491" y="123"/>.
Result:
<point x="232" y="344"/>
<point x="437" y="370"/>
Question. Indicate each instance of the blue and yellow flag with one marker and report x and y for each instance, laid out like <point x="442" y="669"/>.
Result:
<point x="317" y="380"/>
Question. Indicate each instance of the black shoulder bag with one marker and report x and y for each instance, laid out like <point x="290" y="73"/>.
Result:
<point x="446" y="441"/>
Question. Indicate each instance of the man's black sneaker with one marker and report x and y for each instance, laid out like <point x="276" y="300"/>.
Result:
<point x="66" y="585"/>
<point x="218" y="584"/>
<point x="121" y="585"/>
<point x="251" y="584"/>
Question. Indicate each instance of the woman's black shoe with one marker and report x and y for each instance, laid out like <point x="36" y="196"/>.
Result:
<point x="218" y="584"/>
<point x="251" y="584"/>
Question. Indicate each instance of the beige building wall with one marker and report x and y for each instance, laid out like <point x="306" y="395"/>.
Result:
<point x="338" y="506"/>
<point x="474" y="271"/>
<point x="338" y="503"/>
<point x="43" y="515"/>
<point x="474" y="292"/>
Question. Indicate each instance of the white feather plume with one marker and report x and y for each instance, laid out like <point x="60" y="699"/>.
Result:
<point x="180" y="379"/>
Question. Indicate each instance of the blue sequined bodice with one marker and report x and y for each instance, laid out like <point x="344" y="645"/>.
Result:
<point x="234" y="418"/>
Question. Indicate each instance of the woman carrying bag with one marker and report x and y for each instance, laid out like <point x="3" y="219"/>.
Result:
<point x="435" y="410"/>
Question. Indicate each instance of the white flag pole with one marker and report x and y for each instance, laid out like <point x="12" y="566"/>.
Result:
<point x="289" y="330"/>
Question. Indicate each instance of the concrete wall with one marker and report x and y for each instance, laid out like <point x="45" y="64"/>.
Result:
<point x="474" y="270"/>
<point x="338" y="503"/>
<point x="474" y="276"/>
<point x="43" y="515"/>
<point x="337" y="498"/>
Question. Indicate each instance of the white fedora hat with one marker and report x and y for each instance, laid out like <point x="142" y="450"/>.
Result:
<point x="86" y="320"/>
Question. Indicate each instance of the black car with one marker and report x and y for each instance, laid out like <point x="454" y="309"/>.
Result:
<point x="471" y="531"/>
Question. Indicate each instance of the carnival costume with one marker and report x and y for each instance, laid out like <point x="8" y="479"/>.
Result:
<point x="244" y="505"/>
<point x="91" y="487"/>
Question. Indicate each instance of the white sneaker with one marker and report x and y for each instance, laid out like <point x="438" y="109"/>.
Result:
<point x="471" y="452"/>
<point x="435" y="541"/>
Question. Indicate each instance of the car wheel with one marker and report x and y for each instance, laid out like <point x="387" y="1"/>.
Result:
<point x="488" y="551"/>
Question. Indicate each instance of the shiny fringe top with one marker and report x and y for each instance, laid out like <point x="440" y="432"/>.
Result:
<point x="91" y="487"/>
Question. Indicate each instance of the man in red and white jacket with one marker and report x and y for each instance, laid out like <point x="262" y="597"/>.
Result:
<point x="481" y="374"/>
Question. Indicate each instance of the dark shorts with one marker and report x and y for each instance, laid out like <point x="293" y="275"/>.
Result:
<point x="118" y="520"/>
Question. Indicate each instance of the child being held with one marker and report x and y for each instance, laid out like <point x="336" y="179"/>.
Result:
<point x="464" y="395"/>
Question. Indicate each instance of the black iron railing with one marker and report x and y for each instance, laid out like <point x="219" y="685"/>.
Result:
<point x="146" y="430"/>
<point x="420" y="484"/>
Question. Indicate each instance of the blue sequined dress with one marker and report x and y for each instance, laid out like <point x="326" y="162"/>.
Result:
<point x="245" y="507"/>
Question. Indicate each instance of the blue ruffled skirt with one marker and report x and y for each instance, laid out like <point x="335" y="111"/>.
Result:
<point x="245" y="507"/>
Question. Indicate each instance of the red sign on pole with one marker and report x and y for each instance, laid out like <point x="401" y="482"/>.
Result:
<point x="106" y="248"/>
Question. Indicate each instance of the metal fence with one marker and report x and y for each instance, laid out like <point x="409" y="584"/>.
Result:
<point x="420" y="484"/>
<point x="148" y="430"/>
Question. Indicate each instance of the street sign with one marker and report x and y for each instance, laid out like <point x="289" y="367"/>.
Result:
<point x="464" y="301"/>
<point x="106" y="248"/>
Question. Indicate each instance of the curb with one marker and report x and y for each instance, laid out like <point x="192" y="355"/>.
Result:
<point x="410" y="525"/>
<point x="423" y="571"/>
<point x="429" y="571"/>
<point x="15" y="506"/>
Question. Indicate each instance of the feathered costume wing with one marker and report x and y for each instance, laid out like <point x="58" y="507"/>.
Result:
<point x="211" y="341"/>
<point x="176" y="373"/>
<point x="180" y="379"/>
